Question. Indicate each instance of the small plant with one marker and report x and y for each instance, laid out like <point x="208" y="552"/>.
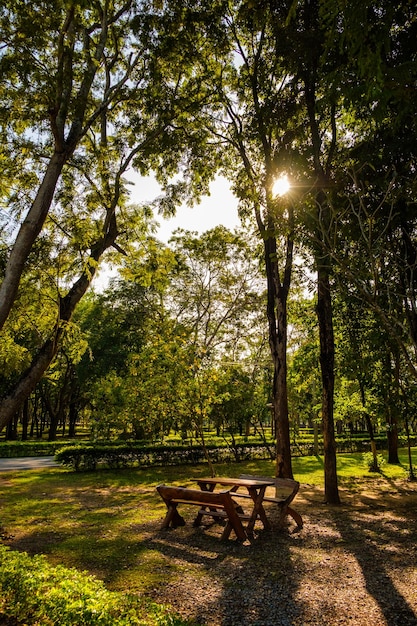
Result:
<point x="374" y="464"/>
<point x="412" y="474"/>
<point x="33" y="592"/>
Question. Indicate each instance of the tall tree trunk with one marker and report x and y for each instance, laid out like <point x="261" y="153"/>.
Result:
<point x="27" y="234"/>
<point x="282" y="424"/>
<point x="392" y="404"/>
<point x="392" y="436"/>
<point x="325" y="319"/>
<point x="72" y="416"/>
<point x="322" y="160"/>
<point x="25" y="419"/>
<point x="277" y="295"/>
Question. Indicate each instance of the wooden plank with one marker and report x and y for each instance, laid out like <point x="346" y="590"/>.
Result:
<point x="209" y="503"/>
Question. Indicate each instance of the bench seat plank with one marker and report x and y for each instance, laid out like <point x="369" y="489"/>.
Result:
<point x="218" y="505"/>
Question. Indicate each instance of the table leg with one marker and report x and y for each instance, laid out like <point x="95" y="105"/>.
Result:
<point x="204" y="487"/>
<point x="258" y="509"/>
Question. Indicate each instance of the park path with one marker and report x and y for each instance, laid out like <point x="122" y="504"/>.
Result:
<point x="27" y="462"/>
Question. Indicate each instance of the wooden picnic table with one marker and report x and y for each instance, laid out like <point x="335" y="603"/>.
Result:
<point x="255" y="489"/>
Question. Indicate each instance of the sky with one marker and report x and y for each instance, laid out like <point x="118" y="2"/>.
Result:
<point x="220" y="207"/>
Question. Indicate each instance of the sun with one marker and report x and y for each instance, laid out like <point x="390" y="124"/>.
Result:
<point x="281" y="185"/>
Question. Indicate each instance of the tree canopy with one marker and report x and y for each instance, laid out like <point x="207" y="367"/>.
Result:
<point x="322" y="91"/>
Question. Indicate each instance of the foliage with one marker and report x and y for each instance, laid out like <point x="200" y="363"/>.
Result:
<point x="96" y="91"/>
<point x="164" y="341"/>
<point x="374" y="464"/>
<point x="91" y="457"/>
<point x="34" y="592"/>
<point x="12" y="449"/>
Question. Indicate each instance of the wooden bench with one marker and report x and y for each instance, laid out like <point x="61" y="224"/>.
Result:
<point x="218" y="505"/>
<point x="285" y="491"/>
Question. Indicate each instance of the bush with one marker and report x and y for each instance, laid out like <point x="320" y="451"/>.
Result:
<point x="89" y="457"/>
<point x="12" y="449"/>
<point x="369" y="461"/>
<point x="35" y="593"/>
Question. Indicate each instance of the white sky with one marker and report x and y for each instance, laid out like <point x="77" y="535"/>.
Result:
<point x="220" y="207"/>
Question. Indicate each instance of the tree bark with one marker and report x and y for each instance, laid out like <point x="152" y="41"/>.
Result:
<point x="282" y="429"/>
<point x="25" y="420"/>
<point x="392" y="436"/>
<point x="325" y="319"/>
<point x="277" y="295"/>
<point x="27" y="234"/>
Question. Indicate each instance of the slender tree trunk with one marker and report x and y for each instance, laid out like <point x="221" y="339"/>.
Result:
<point x="72" y="417"/>
<point x="277" y="295"/>
<point x="392" y="436"/>
<point x="316" y="437"/>
<point x="392" y="404"/>
<point x="411" y="474"/>
<point x="370" y="428"/>
<point x="28" y="233"/>
<point x="325" y="319"/>
<point x="322" y="160"/>
<point x="282" y="428"/>
<point x="25" y="419"/>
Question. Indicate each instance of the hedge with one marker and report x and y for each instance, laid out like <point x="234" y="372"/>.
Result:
<point x="15" y="449"/>
<point x="34" y="593"/>
<point x="39" y="447"/>
<point x="131" y="454"/>
<point x="89" y="457"/>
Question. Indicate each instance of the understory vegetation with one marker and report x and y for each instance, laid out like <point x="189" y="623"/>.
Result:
<point x="33" y="592"/>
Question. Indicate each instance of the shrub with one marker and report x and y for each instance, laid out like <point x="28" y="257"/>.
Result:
<point x="89" y="457"/>
<point x="35" y="593"/>
<point x="369" y="461"/>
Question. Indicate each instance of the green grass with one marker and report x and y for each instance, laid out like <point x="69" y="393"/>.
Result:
<point x="350" y="465"/>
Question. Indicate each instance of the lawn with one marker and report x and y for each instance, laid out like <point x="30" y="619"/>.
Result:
<point x="107" y="522"/>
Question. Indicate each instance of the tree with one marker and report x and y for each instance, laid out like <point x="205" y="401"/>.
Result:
<point x="251" y="118"/>
<point x="373" y="210"/>
<point x="205" y="293"/>
<point x="88" y="92"/>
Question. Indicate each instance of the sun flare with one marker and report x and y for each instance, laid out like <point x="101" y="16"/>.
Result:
<point x="281" y="185"/>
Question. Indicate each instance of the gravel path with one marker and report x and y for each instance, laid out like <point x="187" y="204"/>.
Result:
<point x="27" y="462"/>
<point x="354" y="564"/>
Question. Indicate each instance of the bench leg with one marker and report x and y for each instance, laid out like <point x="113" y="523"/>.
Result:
<point x="197" y="521"/>
<point x="234" y="522"/>
<point x="227" y="530"/>
<point x="296" y="517"/>
<point x="173" y="517"/>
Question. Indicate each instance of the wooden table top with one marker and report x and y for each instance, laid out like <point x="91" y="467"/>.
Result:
<point x="237" y="482"/>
